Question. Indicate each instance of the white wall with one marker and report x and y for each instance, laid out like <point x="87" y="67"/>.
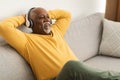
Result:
<point x="76" y="7"/>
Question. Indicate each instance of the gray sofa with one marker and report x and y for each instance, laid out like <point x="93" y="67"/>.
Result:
<point x="84" y="37"/>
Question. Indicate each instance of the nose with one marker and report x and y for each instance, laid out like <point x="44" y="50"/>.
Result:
<point x="47" y="19"/>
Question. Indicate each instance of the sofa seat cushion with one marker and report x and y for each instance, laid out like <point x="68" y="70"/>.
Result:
<point x="13" y="66"/>
<point x="105" y="63"/>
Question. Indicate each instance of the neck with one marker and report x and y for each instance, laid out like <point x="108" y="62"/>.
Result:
<point x="50" y="33"/>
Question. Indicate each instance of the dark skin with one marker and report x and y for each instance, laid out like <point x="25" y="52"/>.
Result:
<point x="41" y="21"/>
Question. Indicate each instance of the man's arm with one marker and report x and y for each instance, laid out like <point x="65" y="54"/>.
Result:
<point x="62" y="18"/>
<point x="11" y="34"/>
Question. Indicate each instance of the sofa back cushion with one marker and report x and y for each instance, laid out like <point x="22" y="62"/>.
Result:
<point x="83" y="35"/>
<point x="2" y="41"/>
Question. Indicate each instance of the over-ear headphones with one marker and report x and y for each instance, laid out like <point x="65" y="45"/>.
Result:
<point x="29" y="22"/>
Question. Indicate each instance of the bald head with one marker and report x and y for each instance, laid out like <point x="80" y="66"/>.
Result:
<point x="36" y="11"/>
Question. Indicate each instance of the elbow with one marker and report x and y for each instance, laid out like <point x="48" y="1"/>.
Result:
<point x="68" y="14"/>
<point x="65" y="14"/>
<point x="0" y="26"/>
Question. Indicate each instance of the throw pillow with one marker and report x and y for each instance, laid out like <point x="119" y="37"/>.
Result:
<point x="110" y="43"/>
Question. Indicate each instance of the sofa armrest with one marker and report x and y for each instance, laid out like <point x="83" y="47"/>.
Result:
<point x="12" y="65"/>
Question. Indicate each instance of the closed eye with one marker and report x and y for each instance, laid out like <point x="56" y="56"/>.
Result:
<point x="41" y="17"/>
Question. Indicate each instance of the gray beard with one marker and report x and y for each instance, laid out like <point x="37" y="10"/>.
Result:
<point x="47" y="31"/>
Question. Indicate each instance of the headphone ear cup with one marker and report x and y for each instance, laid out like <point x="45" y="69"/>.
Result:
<point x="31" y="23"/>
<point x="50" y="21"/>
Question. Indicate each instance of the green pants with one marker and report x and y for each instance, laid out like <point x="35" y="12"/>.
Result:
<point x="75" y="70"/>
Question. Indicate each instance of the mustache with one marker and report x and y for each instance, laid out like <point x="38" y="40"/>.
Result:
<point x="47" y="23"/>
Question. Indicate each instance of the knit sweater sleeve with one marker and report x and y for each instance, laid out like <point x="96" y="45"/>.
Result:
<point x="14" y="21"/>
<point x="11" y="34"/>
<point x="62" y="18"/>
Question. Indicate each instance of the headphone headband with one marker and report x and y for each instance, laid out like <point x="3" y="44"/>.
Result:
<point x="29" y="22"/>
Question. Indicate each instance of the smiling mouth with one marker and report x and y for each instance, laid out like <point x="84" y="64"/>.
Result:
<point x="47" y="25"/>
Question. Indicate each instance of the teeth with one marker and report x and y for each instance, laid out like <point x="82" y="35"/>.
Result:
<point x="47" y="22"/>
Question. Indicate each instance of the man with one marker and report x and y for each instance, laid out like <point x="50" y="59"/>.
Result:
<point x="45" y="49"/>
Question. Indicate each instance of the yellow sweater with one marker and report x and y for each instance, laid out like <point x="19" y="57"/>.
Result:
<point x="45" y="53"/>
